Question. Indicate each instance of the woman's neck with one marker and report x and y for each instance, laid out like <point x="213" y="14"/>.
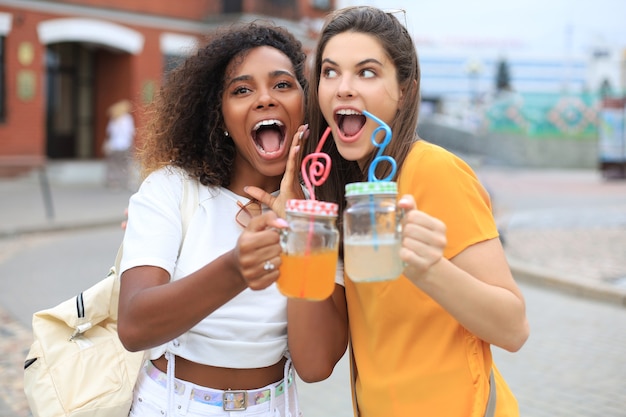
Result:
<point x="239" y="182"/>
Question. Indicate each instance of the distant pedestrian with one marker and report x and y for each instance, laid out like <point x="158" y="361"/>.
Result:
<point x="120" y="134"/>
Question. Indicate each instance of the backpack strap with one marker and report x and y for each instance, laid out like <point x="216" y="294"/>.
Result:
<point x="491" y="403"/>
<point x="188" y="205"/>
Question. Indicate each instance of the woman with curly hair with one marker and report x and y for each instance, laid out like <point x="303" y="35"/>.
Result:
<point x="204" y="306"/>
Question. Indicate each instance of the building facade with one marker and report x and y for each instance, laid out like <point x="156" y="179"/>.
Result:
<point x="63" y="63"/>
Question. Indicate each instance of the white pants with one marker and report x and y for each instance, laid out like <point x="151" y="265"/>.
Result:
<point x="150" y="400"/>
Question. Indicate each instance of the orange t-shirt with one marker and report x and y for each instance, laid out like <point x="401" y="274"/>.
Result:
<point x="413" y="358"/>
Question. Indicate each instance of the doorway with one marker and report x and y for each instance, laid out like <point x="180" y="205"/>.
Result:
<point x="69" y="101"/>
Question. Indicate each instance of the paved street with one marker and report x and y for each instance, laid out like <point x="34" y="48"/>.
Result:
<point x="573" y="363"/>
<point x="565" y="234"/>
<point x="574" y="359"/>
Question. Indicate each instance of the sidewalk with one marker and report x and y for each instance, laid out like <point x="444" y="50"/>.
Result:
<point x="562" y="229"/>
<point x="79" y="202"/>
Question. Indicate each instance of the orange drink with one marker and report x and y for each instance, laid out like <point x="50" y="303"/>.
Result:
<point x="308" y="276"/>
<point x="310" y="248"/>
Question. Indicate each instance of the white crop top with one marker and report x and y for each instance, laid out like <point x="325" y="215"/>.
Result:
<point x="250" y="330"/>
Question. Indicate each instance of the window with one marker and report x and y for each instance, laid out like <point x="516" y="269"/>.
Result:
<point x="171" y="62"/>
<point x="2" y="81"/>
<point x="320" y="4"/>
<point x="232" y="6"/>
<point x="175" y="49"/>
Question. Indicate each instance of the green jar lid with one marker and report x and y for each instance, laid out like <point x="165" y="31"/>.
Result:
<point x="371" y="187"/>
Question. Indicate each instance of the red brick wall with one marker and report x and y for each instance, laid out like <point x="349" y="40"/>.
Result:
<point x="185" y="9"/>
<point x="24" y="126"/>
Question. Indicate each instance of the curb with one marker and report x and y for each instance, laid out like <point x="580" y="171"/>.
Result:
<point x="59" y="227"/>
<point x="574" y="285"/>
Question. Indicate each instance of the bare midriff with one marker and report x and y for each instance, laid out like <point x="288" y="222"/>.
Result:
<point x="224" y="378"/>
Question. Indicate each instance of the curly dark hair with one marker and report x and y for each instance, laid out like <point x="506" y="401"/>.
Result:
<point x="185" y="125"/>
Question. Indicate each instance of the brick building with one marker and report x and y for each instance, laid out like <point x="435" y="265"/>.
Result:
<point x="64" y="62"/>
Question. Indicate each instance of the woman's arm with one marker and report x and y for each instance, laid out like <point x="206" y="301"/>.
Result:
<point x="476" y="286"/>
<point x="153" y="310"/>
<point x="317" y="334"/>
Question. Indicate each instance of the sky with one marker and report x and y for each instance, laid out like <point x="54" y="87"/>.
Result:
<point x="541" y="26"/>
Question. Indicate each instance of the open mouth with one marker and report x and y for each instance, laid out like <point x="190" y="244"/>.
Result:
<point x="350" y="122"/>
<point x="269" y="135"/>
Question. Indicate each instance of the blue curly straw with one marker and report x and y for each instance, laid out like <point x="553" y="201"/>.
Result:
<point x="378" y="159"/>
<point x="381" y="148"/>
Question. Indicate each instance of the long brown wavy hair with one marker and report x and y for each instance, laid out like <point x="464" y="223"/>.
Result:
<point x="399" y="46"/>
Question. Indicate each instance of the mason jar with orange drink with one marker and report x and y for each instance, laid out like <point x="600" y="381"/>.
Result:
<point x="310" y="245"/>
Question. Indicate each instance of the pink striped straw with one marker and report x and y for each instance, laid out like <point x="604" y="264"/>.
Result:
<point x="318" y="171"/>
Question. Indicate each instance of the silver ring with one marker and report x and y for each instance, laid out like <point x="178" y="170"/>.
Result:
<point x="268" y="266"/>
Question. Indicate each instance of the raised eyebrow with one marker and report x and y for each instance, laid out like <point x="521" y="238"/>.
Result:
<point x="238" y="79"/>
<point x="369" y="61"/>
<point x="273" y="74"/>
<point x="359" y="64"/>
<point x="279" y="73"/>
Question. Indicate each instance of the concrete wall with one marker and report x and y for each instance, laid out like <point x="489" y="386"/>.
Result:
<point x="514" y="150"/>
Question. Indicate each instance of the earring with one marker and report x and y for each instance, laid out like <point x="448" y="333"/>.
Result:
<point x="226" y="133"/>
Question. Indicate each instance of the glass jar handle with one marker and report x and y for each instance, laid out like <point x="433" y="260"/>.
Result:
<point x="399" y="218"/>
<point x="284" y="236"/>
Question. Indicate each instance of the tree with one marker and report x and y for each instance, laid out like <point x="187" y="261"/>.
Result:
<point x="503" y="76"/>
